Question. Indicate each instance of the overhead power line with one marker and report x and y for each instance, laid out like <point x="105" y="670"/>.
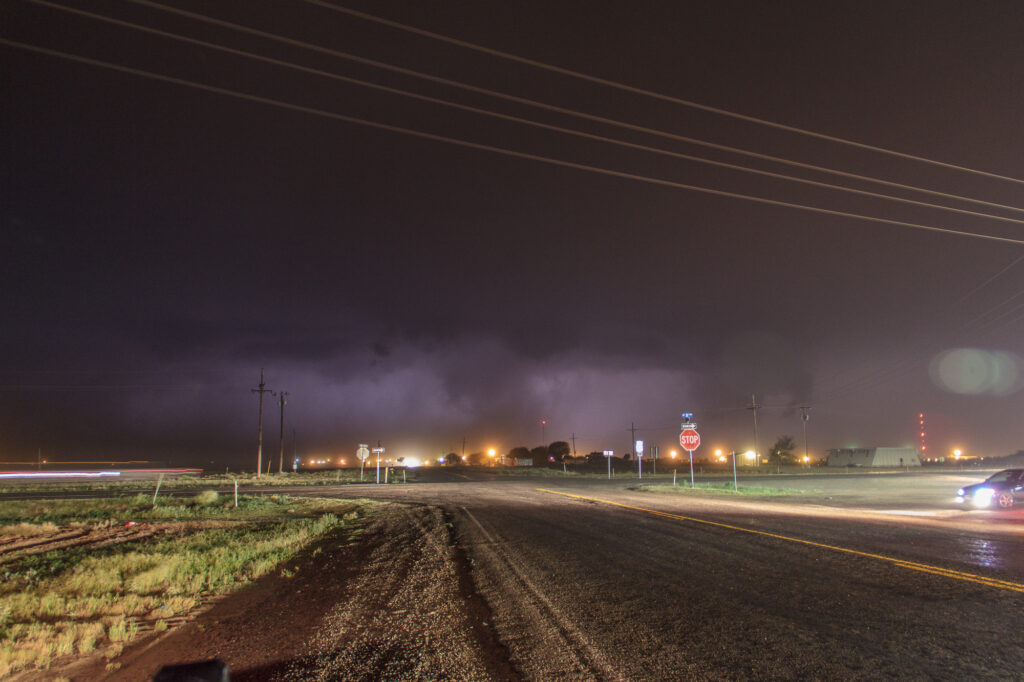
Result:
<point x="991" y="279"/>
<point x="650" y="93"/>
<point x="515" y="119"/>
<point x="497" y="150"/>
<point x="550" y="107"/>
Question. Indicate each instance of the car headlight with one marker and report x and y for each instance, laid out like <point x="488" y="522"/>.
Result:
<point x="983" y="497"/>
<point x="960" y="492"/>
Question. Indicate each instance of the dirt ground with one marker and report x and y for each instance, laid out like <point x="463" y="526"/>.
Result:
<point x="396" y="603"/>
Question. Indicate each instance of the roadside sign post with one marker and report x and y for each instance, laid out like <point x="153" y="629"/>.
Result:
<point x="735" y="485"/>
<point x="362" y="453"/>
<point x="639" y="450"/>
<point x="608" y="454"/>
<point x="378" y="451"/>
<point x="689" y="439"/>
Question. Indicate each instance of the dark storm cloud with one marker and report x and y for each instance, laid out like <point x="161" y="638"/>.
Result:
<point x="764" y="363"/>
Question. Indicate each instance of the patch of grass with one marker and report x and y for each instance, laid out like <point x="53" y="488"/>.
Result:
<point x="225" y="481"/>
<point x="531" y="472"/>
<point x="206" y="497"/>
<point x="28" y="530"/>
<point x="77" y="600"/>
<point x="724" y="488"/>
<point x="119" y="510"/>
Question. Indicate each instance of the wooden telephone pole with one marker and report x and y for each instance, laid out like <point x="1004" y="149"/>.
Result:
<point x="259" y="442"/>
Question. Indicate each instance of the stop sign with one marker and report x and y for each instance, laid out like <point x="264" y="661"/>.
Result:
<point x="689" y="439"/>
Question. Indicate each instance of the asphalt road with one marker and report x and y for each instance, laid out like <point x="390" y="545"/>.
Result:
<point x="867" y="579"/>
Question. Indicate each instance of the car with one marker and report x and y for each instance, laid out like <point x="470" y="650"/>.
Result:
<point x="998" y="491"/>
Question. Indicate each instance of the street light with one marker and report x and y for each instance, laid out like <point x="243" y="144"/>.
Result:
<point x="750" y="455"/>
<point x="957" y="453"/>
<point x="490" y="453"/>
<point x="718" y="455"/>
<point x="673" y="453"/>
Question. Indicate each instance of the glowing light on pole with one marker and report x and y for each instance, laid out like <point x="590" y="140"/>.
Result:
<point x="920" y="423"/>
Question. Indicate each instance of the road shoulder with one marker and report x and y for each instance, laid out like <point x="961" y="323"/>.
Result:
<point x="391" y="603"/>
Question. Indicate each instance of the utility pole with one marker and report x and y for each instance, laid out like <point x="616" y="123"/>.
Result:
<point x="463" y="448"/>
<point x="804" y="417"/>
<point x="632" y="447"/>
<point x="282" y="401"/>
<point x="754" y="407"/>
<point x="574" y="444"/>
<point x="259" y="443"/>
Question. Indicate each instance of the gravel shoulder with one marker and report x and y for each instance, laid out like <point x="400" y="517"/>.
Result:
<point x="395" y="603"/>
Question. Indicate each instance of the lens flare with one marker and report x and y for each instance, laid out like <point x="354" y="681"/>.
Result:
<point x="973" y="371"/>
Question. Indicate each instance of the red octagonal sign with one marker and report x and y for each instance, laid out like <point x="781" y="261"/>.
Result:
<point x="689" y="440"/>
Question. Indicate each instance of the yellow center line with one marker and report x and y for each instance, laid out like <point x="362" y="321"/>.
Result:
<point x="903" y="563"/>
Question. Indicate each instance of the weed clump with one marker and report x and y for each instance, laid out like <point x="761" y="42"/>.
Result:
<point x="207" y="497"/>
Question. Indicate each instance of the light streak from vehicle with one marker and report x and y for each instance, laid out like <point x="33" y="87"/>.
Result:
<point x="58" y="474"/>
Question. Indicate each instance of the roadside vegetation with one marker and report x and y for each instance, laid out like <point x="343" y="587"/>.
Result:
<point x="192" y="482"/>
<point x="525" y="472"/>
<point x="87" y="576"/>
<point x="724" y="488"/>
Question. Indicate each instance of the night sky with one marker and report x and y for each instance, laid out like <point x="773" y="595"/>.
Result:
<point x="164" y="243"/>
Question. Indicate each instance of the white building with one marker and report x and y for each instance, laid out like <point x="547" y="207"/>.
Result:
<point x="873" y="457"/>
